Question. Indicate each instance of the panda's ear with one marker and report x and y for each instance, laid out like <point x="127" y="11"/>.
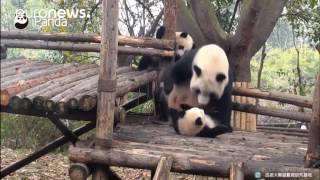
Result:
<point x="197" y="70"/>
<point x="193" y="46"/>
<point x="184" y="34"/>
<point x="198" y="121"/>
<point x="185" y="107"/>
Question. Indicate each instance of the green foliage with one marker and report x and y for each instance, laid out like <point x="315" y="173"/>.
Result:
<point x="304" y="16"/>
<point x="19" y="131"/>
<point x="280" y="73"/>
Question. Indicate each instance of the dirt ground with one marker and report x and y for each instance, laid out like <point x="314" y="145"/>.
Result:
<point x="55" y="166"/>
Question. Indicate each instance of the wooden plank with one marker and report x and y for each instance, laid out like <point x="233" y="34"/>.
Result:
<point x="313" y="152"/>
<point x="107" y="73"/>
<point x="274" y="96"/>
<point x="66" y="46"/>
<point x="88" y="37"/>
<point x="297" y="116"/>
<point x="237" y="171"/>
<point x="163" y="168"/>
<point x="146" y="156"/>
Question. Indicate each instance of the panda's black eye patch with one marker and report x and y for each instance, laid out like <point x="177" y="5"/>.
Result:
<point x="220" y="77"/>
<point x="180" y="47"/>
<point x="184" y="34"/>
<point x="198" y="121"/>
<point x="197" y="91"/>
<point x="197" y="70"/>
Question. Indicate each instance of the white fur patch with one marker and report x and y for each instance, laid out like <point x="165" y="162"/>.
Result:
<point x="212" y="60"/>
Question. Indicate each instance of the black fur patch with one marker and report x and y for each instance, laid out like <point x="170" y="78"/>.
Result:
<point x="182" y="113"/>
<point x="184" y="34"/>
<point x="180" y="47"/>
<point x="193" y="46"/>
<point x="198" y="121"/>
<point x="160" y="32"/>
<point x="185" y="106"/>
<point x="220" y="77"/>
<point x="197" y="70"/>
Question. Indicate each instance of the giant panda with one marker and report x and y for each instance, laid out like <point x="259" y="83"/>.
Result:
<point x="193" y="121"/>
<point x="206" y="72"/>
<point x="184" y="42"/>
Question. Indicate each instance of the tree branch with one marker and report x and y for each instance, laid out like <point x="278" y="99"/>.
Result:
<point x="91" y="12"/>
<point x="233" y="15"/>
<point x="208" y="22"/>
<point x="257" y="20"/>
<point x="153" y="28"/>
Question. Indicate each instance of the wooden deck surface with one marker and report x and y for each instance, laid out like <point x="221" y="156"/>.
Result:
<point x="140" y="143"/>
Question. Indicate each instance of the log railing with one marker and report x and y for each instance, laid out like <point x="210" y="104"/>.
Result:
<point x="87" y="37"/>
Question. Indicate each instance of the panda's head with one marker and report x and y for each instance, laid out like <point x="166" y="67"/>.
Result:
<point x="191" y="121"/>
<point x="210" y="69"/>
<point x="184" y="43"/>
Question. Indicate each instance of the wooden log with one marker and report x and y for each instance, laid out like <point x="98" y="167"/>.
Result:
<point x="12" y="62"/>
<point x="64" y="46"/>
<point x="298" y="134"/>
<point x="298" y="116"/>
<point x="107" y="74"/>
<point x="237" y="171"/>
<point x="283" y="129"/>
<point x="44" y="150"/>
<point x="7" y="81"/>
<point x="145" y="157"/>
<point x="89" y="37"/>
<point x="20" y="69"/>
<point x="163" y="168"/>
<point x="79" y="171"/>
<point x="313" y="152"/>
<point x="274" y="96"/>
<point x="12" y="90"/>
<point x="136" y="82"/>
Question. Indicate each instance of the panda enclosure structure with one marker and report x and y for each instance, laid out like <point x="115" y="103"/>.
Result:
<point x="93" y="93"/>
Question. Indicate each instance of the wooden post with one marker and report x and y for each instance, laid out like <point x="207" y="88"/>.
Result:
<point x="170" y="7"/>
<point x="313" y="152"/>
<point x="78" y="171"/>
<point x="107" y="78"/>
<point x="163" y="169"/>
<point x="237" y="171"/>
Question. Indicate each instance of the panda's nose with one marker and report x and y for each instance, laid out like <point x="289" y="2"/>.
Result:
<point x="214" y="97"/>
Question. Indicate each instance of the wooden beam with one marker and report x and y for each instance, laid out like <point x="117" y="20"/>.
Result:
<point x="237" y="171"/>
<point x="44" y="150"/>
<point x="313" y="152"/>
<point x="64" y="130"/>
<point x="107" y="80"/>
<point x="163" y="168"/>
<point x="143" y="156"/>
<point x="79" y="171"/>
<point x="297" y="116"/>
<point x="67" y="46"/>
<point x="274" y="96"/>
<point x="89" y="37"/>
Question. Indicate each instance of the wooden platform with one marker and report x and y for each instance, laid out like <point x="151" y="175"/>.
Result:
<point x="140" y="144"/>
<point x="57" y="88"/>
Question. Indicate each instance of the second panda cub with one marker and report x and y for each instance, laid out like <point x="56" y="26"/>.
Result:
<point x="192" y="121"/>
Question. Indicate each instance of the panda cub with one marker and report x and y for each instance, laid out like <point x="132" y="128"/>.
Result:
<point x="184" y="43"/>
<point x="192" y="121"/>
<point x="205" y="71"/>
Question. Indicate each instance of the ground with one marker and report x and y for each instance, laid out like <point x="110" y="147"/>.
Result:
<point x="55" y="166"/>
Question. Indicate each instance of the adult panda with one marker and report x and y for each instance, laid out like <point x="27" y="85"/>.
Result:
<point x="205" y="71"/>
<point x="184" y="42"/>
<point x="193" y="121"/>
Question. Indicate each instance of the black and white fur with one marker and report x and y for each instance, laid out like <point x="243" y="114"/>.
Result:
<point x="193" y="121"/>
<point x="184" y="43"/>
<point x="206" y="72"/>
